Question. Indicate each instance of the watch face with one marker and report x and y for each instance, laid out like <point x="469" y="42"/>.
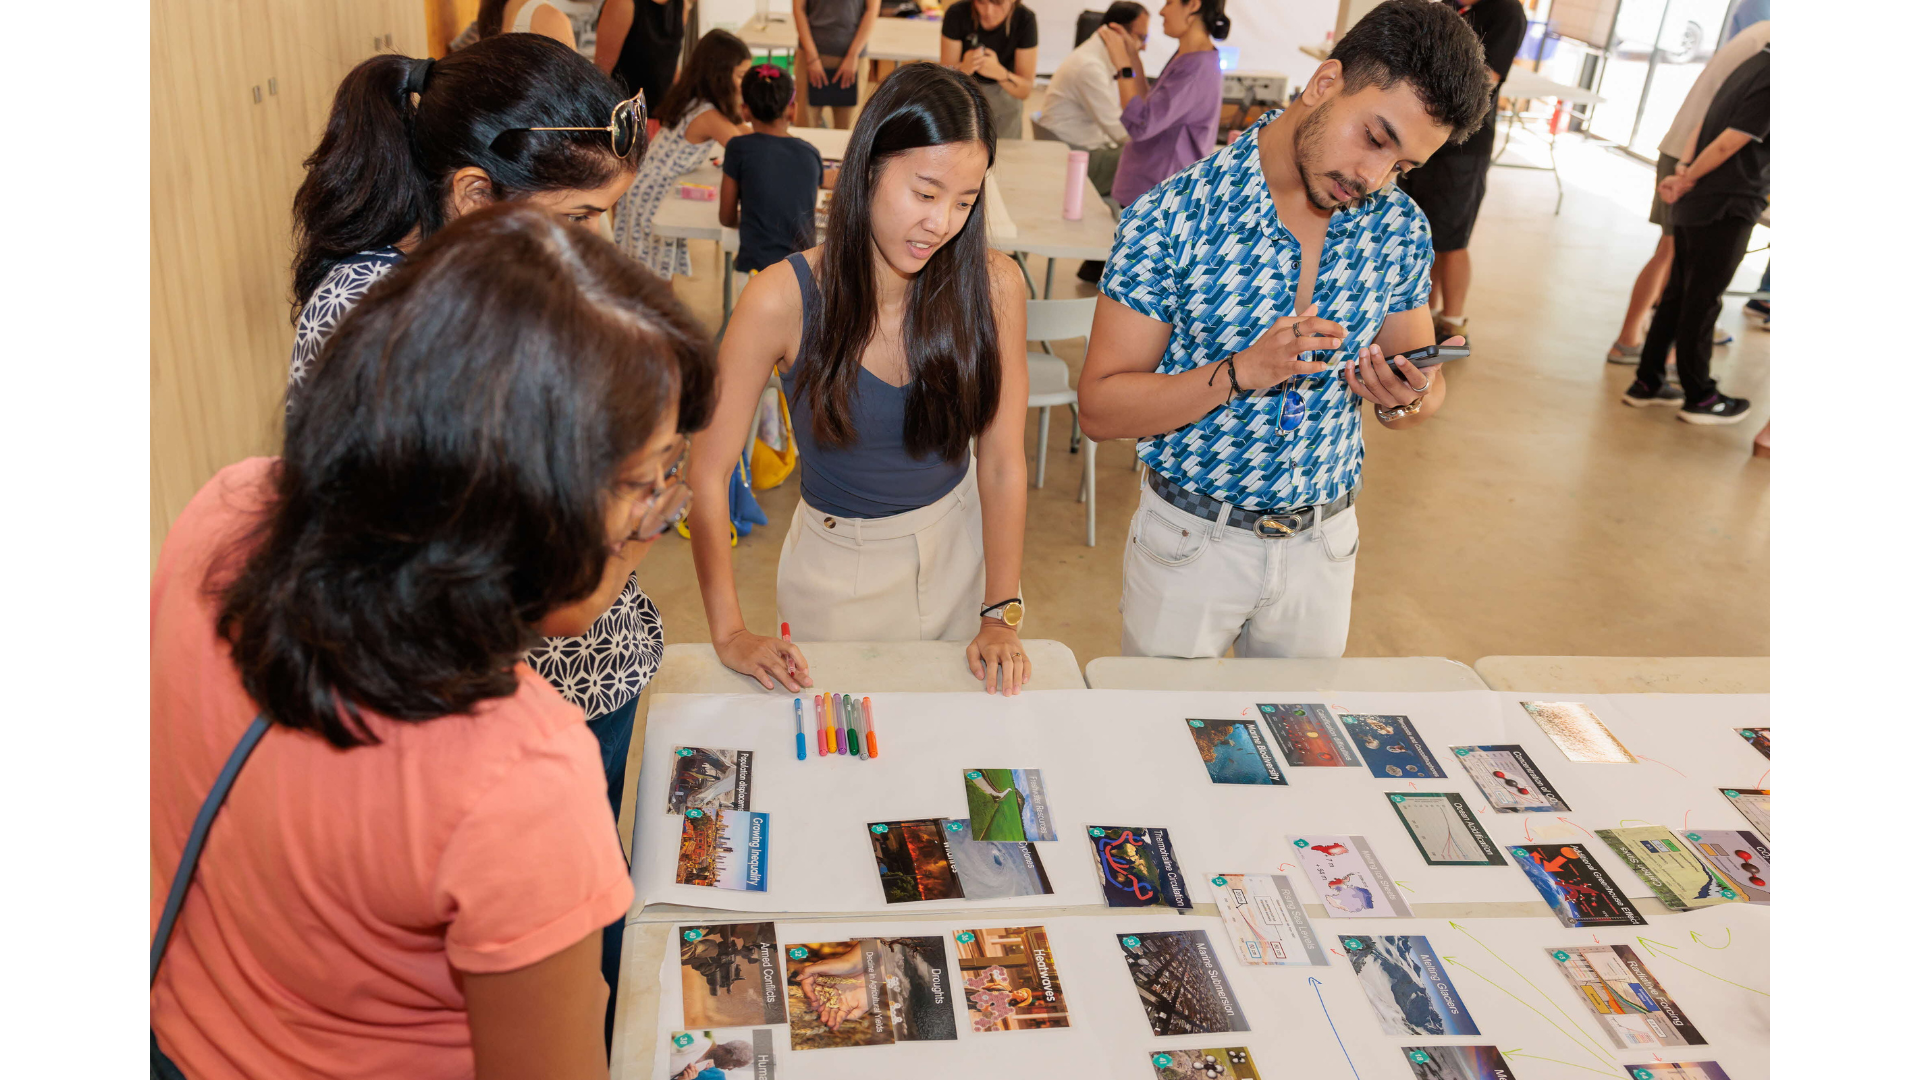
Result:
<point x="1012" y="613"/>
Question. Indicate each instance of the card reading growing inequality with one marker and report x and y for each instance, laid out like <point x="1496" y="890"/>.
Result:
<point x="1181" y="984"/>
<point x="1235" y="752"/>
<point x="1678" y="877"/>
<point x="730" y="976"/>
<point x="746" y="1054"/>
<point x="1408" y="986"/>
<point x="1510" y="780"/>
<point x="1008" y="804"/>
<point x="1213" y="1063"/>
<point x="1265" y="920"/>
<point x="1574" y="886"/>
<point x="1630" y="1002"/>
<point x="1754" y="804"/>
<point x="869" y="992"/>
<point x="1348" y="879"/>
<point x="1740" y="855"/>
<point x="1137" y="867"/>
<point x="1457" y="1063"/>
<point x="1309" y="736"/>
<point x="1577" y="732"/>
<point x="1444" y="829"/>
<point x="726" y="849"/>
<point x="1391" y="747"/>
<point x="1009" y="979"/>
<point x="710" y="780"/>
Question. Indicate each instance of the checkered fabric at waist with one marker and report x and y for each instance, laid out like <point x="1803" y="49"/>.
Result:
<point x="1266" y="523"/>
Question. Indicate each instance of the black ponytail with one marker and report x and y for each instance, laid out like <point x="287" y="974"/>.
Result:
<point x="400" y="129"/>
<point x="1213" y="15"/>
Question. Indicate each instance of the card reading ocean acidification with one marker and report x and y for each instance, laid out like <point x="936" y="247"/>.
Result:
<point x="1444" y="829"/>
<point x="1348" y="879"/>
<point x="1574" y="886"/>
<point x="1510" y="780"/>
<point x="1235" y="752"/>
<point x="1678" y="877"/>
<point x="1008" y="804"/>
<point x="1309" y="736"/>
<point x="1391" y="747"/>
<point x="1630" y="1002"/>
<point x="1265" y="920"/>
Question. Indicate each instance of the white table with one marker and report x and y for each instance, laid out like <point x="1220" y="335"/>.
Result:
<point x="1623" y="674"/>
<point x="1227" y="673"/>
<point x="904" y="40"/>
<point x="1525" y="85"/>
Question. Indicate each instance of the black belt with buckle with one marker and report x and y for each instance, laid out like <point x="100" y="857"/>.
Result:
<point x="1266" y="524"/>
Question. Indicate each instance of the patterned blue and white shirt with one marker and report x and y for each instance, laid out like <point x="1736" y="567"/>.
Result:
<point x="1205" y="253"/>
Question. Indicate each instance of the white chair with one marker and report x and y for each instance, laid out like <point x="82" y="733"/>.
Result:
<point x="1048" y="384"/>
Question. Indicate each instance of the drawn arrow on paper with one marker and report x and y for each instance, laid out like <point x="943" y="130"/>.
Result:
<point x="1455" y="961"/>
<point x="1543" y="994"/>
<point x="1404" y="885"/>
<point x="1695" y="934"/>
<point x="1527" y="823"/>
<point x="1317" y="984"/>
<point x="1556" y="1061"/>
<point x="1575" y="824"/>
<point x="1660" y="763"/>
<point x="1649" y="945"/>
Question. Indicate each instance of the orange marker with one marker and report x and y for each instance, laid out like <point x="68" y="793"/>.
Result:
<point x="833" y="731"/>
<point x="873" y="743"/>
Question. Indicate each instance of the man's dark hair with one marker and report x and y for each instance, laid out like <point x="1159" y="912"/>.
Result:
<point x="1423" y="43"/>
<point x="1122" y="13"/>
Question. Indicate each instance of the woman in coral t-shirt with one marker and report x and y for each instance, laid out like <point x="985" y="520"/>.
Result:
<point x="412" y="871"/>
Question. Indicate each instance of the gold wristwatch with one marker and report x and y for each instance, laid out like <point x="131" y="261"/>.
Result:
<point x="1386" y="415"/>
<point x="1007" y="611"/>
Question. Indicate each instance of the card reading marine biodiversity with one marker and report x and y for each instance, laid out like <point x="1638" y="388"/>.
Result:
<point x="1137" y="867"/>
<point x="1009" y="979"/>
<point x="1457" y="1063"/>
<point x="1181" y="984"/>
<point x="1391" y="747"/>
<point x="1574" y="886"/>
<point x="1630" y="1002"/>
<point x="726" y="849"/>
<point x="730" y="976"/>
<point x="1214" y="1063"/>
<point x="1235" y="752"/>
<point x="1740" y="855"/>
<point x="1510" y="780"/>
<point x="1348" y="879"/>
<point x="1265" y="920"/>
<point x="1678" y="877"/>
<point x="1444" y="829"/>
<point x="1008" y="804"/>
<point x="710" y="780"/>
<point x="1577" y="732"/>
<point x="1754" y="804"/>
<point x="1408" y="986"/>
<point x="743" y="1054"/>
<point x="1309" y="736"/>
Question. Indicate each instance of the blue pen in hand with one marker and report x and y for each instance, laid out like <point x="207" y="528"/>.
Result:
<point x="799" y="732"/>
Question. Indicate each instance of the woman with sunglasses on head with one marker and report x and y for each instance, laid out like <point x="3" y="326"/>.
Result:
<point x="410" y="874"/>
<point x="901" y="343"/>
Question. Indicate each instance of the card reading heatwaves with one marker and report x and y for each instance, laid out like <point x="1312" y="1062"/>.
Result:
<point x="1444" y="829"/>
<point x="725" y="849"/>
<point x="1008" y="804"/>
<point x="730" y="976"/>
<point x="1235" y="752"/>
<point x="1009" y="979"/>
<point x="710" y="780"/>
<point x="937" y="859"/>
<point x="1678" y="877"/>
<point x="1348" y="878"/>
<point x="1137" y="867"/>
<point x="869" y="992"/>
<point x="1574" y="886"/>
<point x="1631" y="1004"/>
<point x="1391" y="747"/>
<point x="1510" y="780"/>
<point x="1181" y="984"/>
<point x="1265" y="920"/>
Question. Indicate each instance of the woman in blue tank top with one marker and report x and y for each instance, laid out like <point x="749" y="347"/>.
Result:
<point x="901" y="342"/>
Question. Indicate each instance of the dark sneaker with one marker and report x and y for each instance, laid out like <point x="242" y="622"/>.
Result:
<point x="1640" y="395"/>
<point x="1718" y="409"/>
<point x="1760" y="313"/>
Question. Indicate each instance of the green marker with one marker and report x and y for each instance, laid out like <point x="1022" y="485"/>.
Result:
<point x="853" y="727"/>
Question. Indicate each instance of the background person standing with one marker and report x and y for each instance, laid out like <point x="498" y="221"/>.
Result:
<point x="638" y="42"/>
<point x="833" y="35"/>
<point x="998" y="43"/>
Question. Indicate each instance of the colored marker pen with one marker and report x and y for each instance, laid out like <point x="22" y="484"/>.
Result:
<point x="846" y="720"/>
<point x="786" y="635"/>
<point x="799" y="731"/>
<point x="819" y="726"/>
<point x="873" y="742"/>
<point x="853" y="721"/>
<point x="839" y="722"/>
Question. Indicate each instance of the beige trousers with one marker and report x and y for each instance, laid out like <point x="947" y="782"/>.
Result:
<point x="917" y="576"/>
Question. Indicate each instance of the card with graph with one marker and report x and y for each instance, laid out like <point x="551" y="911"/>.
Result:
<point x="1444" y="829"/>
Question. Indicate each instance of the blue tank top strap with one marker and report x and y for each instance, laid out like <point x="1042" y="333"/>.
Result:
<point x="809" y="292"/>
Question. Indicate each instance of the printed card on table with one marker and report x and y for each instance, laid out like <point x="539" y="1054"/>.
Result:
<point x="991" y="869"/>
<point x="1181" y="984"/>
<point x="1407" y="985"/>
<point x="1235" y="752"/>
<point x="726" y="849"/>
<point x="869" y="992"/>
<point x="1754" y="804"/>
<point x="1574" y="886"/>
<point x="1510" y="781"/>
<point x="1391" y="747"/>
<point x="744" y="1054"/>
<point x="1008" y="804"/>
<point x="1137" y="867"/>
<point x="1678" y="1070"/>
<point x="1309" y="736"/>
<point x="1759" y="738"/>
<point x="1577" y="732"/>
<point x="1444" y="829"/>
<point x="1632" y="1005"/>
<point x="1009" y="980"/>
<point x="1348" y="879"/>
<point x="1457" y="1063"/>
<point x="710" y="780"/>
<point x="1678" y="877"/>
<point x="1265" y="920"/>
<point x="1216" y="1063"/>
<point x="730" y="976"/>
<point x="914" y="861"/>
<point x="1740" y="855"/>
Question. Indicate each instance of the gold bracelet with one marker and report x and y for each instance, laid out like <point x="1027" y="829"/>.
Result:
<point x="1395" y="413"/>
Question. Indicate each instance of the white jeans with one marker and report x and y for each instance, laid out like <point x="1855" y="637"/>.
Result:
<point x="1190" y="587"/>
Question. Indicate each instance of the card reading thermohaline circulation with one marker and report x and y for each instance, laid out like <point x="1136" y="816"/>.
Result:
<point x="1137" y="867"/>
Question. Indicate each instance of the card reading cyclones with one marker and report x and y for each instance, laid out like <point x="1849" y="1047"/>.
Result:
<point x="1348" y="879"/>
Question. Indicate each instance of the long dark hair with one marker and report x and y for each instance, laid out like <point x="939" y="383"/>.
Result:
<point x="382" y="168"/>
<point x="491" y="16"/>
<point x="707" y="77"/>
<point x="952" y="340"/>
<point x="444" y="482"/>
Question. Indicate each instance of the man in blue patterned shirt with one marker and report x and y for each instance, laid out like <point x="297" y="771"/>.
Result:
<point x="1245" y="391"/>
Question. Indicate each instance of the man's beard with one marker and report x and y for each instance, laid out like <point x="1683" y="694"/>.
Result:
<point x="1306" y="154"/>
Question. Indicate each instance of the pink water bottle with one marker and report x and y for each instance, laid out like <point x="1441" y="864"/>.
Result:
<point x="1076" y="184"/>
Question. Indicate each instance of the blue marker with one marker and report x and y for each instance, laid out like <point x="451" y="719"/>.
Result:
<point x="799" y="731"/>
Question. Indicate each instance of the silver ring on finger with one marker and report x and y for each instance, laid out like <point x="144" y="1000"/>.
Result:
<point x="1296" y="329"/>
<point x="1422" y="389"/>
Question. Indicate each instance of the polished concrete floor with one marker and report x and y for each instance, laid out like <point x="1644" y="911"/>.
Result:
<point x="1534" y="515"/>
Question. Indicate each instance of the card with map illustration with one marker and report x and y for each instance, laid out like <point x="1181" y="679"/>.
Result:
<point x="730" y="976"/>
<point x="1008" y="804"/>
<point x="710" y="780"/>
<point x="1577" y="731"/>
<point x="1235" y="752"/>
<point x="1391" y="747"/>
<point x="1348" y="879"/>
<point x="1265" y="920"/>
<point x="1759" y="738"/>
<point x="913" y="861"/>
<point x="1740" y="855"/>
<point x="740" y="1054"/>
<point x="1137" y="867"/>
<point x="1009" y="979"/>
<point x="1407" y="985"/>
<point x="1444" y="829"/>
<point x="869" y="992"/>
<point x="1509" y="779"/>
<point x="1309" y="736"/>
<point x="1457" y="1063"/>
<point x="1181" y="984"/>
<point x="1754" y="804"/>
<point x="1574" y="886"/>
<point x="1215" y="1063"/>
<point x="726" y="849"/>
<point x="1632" y="1005"/>
<point x="1679" y="878"/>
<point x="992" y="869"/>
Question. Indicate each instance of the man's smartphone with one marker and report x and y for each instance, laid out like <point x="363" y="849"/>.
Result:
<point x="1434" y="355"/>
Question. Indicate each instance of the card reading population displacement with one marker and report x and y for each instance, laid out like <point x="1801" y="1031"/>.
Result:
<point x="1137" y="867"/>
<point x="1630" y="1002"/>
<point x="1678" y="877"/>
<point x="1348" y="878"/>
<point x="1391" y="747"/>
<point x="730" y="976"/>
<point x="1214" y="1063"/>
<point x="1008" y="804"/>
<point x="1009" y="978"/>
<point x="1265" y="920"/>
<point x="727" y="849"/>
<point x="1510" y="780"/>
<point x="869" y="992"/>
<point x="1409" y="989"/>
<point x="1577" y="732"/>
<point x="1308" y="736"/>
<point x="706" y="1053"/>
<point x="1457" y="1063"/>
<point x="1574" y="886"/>
<point x="710" y="780"/>
<point x="1181" y="984"/>
<point x="1444" y="829"/>
<point x="1235" y="752"/>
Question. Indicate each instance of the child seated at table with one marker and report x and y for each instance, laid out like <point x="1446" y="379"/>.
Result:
<point x="771" y="179"/>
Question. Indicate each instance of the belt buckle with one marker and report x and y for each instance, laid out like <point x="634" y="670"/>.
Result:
<point x="1272" y="527"/>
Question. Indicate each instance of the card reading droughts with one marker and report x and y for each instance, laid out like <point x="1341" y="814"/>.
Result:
<point x="1754" y="804"/>
<point x="1759" y="738"/>
<point x="1235" y="752"/>
<point x="1348" y="879"/>
<point x="1265" y="920"/>
<point x="1630" y="1002"/>
<point x="1457" y="1063"/>
<point x="730" y="976"/>
<point x="1008" y="804"/>
<point x="1444" y="829"/>
<point x="1407" y="985"/>
<point x="1309" y="736"/>
<point x="869" y="992"/>
<point x="1391" y="747"/>
<point x="1577" y="732"/>
<point x="914" y="861"/>
<point x="1678" y="877"/>
<point x="1740" y="855"/>
<point x="1510" y="780"/>
<point x="1214" y="1063"/>
<point x="1181" y="984"/>
<point x="726" y="849"/>
<point x="992" y="869"/>
<point x="1008" y="977"/>
<point x="710" y="780"/>
<point x="1137" y="867"/>
<point x="1574" y="886"/>
<point x="734" y="1055"/>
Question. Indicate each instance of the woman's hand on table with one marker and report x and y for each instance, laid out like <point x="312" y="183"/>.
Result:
<point x="997" y="659"/>
<point x="766" y="659"/>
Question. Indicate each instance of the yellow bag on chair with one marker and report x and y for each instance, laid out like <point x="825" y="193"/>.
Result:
<point x="771" y="465"/>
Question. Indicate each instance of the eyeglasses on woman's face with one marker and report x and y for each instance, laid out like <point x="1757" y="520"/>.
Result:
<point x="659" y="505"/>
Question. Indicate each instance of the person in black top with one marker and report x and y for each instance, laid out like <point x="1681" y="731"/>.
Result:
<point x="770" y="180"/>
<point x="638" y="42"/>
<point x="1717" y="197"/>
<point x="998" y="43"/>
<point x="1451" y="184"/>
